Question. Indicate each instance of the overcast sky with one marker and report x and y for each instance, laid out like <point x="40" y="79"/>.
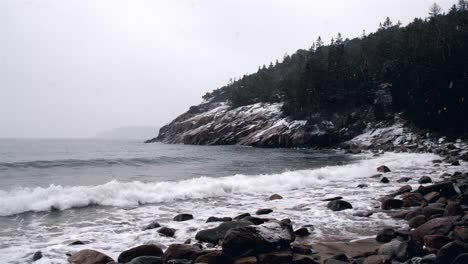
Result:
<point x="73" y="68"/>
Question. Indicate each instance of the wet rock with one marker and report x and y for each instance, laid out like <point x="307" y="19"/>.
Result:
<point x="404" y="189"/>
<point x="431" y="197"/>
<point x="460" y="233"/>
<point x="363" y="185"/>
<point x="89" y="256"/>
<point x="396" y="250"/>
<point x="218" y="219"/>
<point x="455" y="163"/>
<point x="183" y="217"/>
<point x="450" y="251"/>
<point x="417" y="221"/>
<point x="440" y="226"/>
<point x="412" y="199"/>
<point x="151" y="225"/>
<point x="275" y="197"/>
<point x="433" y="210"/>
<point x="389" y="204"/>
<point x="452" y="209"/>
<point x="37" y="256"/>
<point x="425" y="179"/>
<point x="377" y="259"/>
<point x="404" y="179"/>
<point x="211" y="257"/>
<point x="384" y="180"/>
<point x="143" y="250"/>
<point x="339" y="205"/>
<point x="436" y="241"/>
<point x="301" y="250"/>
<point x="363" y="213"/>
<point x="239" y="217"/>
<point x="166" y="231"/>
<point x="182" y="251"/>
<point x="386" y="235"/>
<point x="263" y="211"/>
<point x="444" y="188"/>
<point x="76" y="243"/>
<point x="213" y="235"/>
<point x="302" y="232"/>
<point x="383" y="169"/>
<point x="253" y="220"/>
<point x="246" y="260"/>
<point x="257" y="239"/>
<point x="276" y="257"/>
<point x="188" y="241"/>
<point x="146" y="260"/>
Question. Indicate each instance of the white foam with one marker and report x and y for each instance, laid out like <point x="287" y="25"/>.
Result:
<point x="117" y="193"/>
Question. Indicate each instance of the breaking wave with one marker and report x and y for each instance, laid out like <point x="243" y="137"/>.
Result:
<point x="120" y="194"/>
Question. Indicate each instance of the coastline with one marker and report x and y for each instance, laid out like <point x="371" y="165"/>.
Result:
<point x="250" y="242"/>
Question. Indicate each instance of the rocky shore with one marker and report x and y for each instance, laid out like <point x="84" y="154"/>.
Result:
<point x="434" y="224"/>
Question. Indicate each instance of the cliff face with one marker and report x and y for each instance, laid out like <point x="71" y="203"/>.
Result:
<point x="261" y="125"/>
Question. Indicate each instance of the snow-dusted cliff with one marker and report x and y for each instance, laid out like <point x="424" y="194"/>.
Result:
<point x="261" y="124"/>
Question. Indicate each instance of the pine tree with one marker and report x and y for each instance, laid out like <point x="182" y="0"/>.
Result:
<point x="388" y="23"/>
<point x="319" y="42"/>
<point x="434" y="10"/>
<point x="339" y="39"/>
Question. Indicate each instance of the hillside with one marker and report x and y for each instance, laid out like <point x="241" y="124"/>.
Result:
<point x="328" y="94"/>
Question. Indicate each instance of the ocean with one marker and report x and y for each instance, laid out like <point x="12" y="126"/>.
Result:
<point x="102" y="192"/>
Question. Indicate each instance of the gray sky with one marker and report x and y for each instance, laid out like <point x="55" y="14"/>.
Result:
<point x="73" y="68"/>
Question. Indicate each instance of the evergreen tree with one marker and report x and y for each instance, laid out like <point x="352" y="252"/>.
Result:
<point x="434" y="10"/>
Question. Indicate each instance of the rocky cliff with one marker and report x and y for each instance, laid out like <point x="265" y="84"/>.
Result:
<point x="264" y="125"/>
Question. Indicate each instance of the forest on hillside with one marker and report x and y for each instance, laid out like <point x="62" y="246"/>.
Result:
<point x="423" y="66"/>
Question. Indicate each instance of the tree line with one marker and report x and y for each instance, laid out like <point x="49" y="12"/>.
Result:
<point x="423" y="66"/>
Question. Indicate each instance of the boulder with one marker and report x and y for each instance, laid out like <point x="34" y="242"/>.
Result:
<point x="386" y="235"/>
<point x="182" y="251"/>
<point x="363" y="185"/>
<point x="263" y="211"/>
<point x="37" y="256"/>
<point x="436" y="226"/>
<point x="363" y="213"/>
<point x="433" y="210"/>
<point x="302" y="232"/>
<point x="254" y="220"/>
<point x="453" y="209"/>
<point x="339" y="205"/>
<point x="424" y="179"/>
<point x="417" y="221"/>
<point x="183" y="217"/>
<point x="166" y="231"/>
<point x="450" y="251"/>
<point x="239" y="217"/>
<point x="218" y="219"/>
<point x="146" y="260"/>
<point x="89" y="256"/>
<point x="432" y="197"/>
<point x="257" y="239"/>
<point x="389" y="204"/>
<point x="436" y="241"/>
<point x="404" y="179"/>
<point x="444" y="188"/>
<point x="404" y="189"/>
<point x="276" y="257"/>
<point x="383" y="169"/>
<point x="143" y="250"/>
<point x="275" y="197"/>
<point x="384" y="180"/>
<point x="412" y="199"/>
<point x="214" y="256"/>
<point x="396" y="250"/>
<point x="151" y="225"/>
<point x="460" y="233"/>
<point x="77" y="242"/>
<point x="213" y="235"/>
